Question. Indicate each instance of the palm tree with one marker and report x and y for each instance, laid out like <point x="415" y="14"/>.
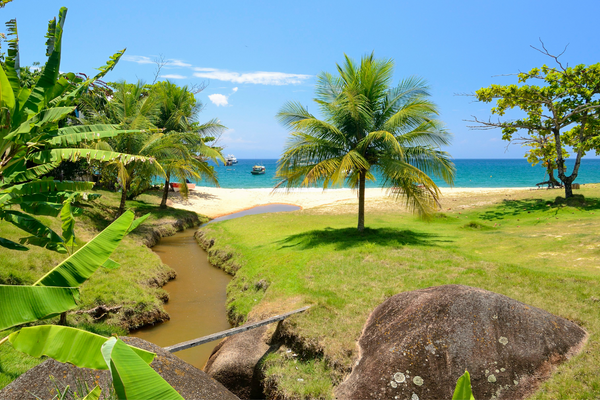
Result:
<point x="369" y="127"/>
<point x="186" y="137"/>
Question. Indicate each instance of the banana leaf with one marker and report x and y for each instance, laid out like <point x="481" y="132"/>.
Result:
<point x="9" y="244"/>
<point x="76" y="269"/>
<point x="40" y="207"/>
<point x="48" y="116"/>
<point x="94" y="394"/>
<point x="28" y="174"/>
<point x="68" y="223"/>
<point x="41" y="93"/>
<point x="463" y="388"/>
<point x="83" y="87"/>
<point x="111" y="264"/>
<point x="45" y="236"/>
<point x="132" y="377"/>
<point x="11" y="61"/>
<point x="68" y="345"/>
<point x="7" y="97"/>
<point x="57" y="155"/>
<point x="49" y="185"/>
<point x="22" y="304"/>
<point x="44" y="242"/>
<point x="77" y="137"/>
<point x="137" y="222"/>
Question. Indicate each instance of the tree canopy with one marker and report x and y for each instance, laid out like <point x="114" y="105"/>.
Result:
<point x="368" y="127"/>
<point x="565" y="106"/>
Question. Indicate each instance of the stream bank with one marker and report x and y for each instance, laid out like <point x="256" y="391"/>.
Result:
<point x="197" y="298"/>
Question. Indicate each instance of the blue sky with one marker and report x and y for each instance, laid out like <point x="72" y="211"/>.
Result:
<point x="256" y="55"/>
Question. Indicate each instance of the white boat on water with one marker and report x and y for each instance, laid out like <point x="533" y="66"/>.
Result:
<point x="230" y="159"/>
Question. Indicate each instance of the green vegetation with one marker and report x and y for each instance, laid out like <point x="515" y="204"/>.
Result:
<point x="368" y="126"/>
<point x="563" y="110"/>
<point x="316" y="257"/>
<point x="163" y="120"/>
<point x="135" y="285"/>
<point x="36" y="125"/>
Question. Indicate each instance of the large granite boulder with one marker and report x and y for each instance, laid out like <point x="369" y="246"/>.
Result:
<point x="190" y="382"/>
<point x="235" y="362"/>
<point x="417" y="344"/>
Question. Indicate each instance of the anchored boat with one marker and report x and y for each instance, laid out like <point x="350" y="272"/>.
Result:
<point x="258" y="170"/>
<point x="230" y="160"/>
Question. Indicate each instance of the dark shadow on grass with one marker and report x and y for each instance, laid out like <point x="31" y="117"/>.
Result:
<point x="514" y="208"/>
<point x="349" y="237"/>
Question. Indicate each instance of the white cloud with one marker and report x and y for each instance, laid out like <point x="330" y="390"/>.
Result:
<point x="219" y="99"/>
<point x="138" y="59"/>
<point x="171" y="62"/>
<point x="177" y="63"/>
<point x="258" y="78"/>
<point x="173" y="76"/>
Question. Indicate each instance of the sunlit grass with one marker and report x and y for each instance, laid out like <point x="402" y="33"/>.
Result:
<point x="528" y="247"/>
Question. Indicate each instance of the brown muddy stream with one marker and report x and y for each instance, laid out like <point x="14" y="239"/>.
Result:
<point x="197" y="296"/>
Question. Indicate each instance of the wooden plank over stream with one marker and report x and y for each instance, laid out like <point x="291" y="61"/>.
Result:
<point x="219" y="335"/>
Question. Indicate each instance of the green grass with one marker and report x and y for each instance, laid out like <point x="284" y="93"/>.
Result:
<point x="135" y="285"/>
<point x="527" y="246"/>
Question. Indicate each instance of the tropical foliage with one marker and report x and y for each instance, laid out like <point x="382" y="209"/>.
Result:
<point x="33" y="141"/>
<point x="565" y="106"/>
<point x="165" y="116"/>
<point x="369" y="128"/>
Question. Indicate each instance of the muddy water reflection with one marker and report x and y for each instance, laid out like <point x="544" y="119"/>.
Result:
<point x="197" y="297"/>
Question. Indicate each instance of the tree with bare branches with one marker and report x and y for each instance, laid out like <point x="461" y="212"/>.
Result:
<point x="564" y="108"/>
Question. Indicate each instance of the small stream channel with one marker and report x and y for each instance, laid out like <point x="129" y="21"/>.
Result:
<point x="198" y="295"/>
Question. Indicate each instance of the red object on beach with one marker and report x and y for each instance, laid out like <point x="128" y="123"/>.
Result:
<point x="177" y="186"/>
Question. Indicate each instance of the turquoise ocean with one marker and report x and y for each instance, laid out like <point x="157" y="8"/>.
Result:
<point x="476" y="173"/>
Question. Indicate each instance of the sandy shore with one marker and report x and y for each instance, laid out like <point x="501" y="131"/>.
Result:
<point x="216" y="202"/>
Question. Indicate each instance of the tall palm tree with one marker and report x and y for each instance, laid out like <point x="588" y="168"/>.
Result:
<point x="188" y="139"/>
<point x="133" y="107"/>
<point x="368" y="127"/>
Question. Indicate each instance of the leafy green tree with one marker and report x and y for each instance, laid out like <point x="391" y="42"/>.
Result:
<point x="135" y="108"/>
<point x="542" y="149"/>
<point x="189" y="152"/>
<point x="566" y="104"/>
<point x="369" y="127"/>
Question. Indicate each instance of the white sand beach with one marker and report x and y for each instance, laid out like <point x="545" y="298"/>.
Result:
<point x="216" y="202"/>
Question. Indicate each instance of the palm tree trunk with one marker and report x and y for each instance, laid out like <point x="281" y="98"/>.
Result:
<point x="165" y="196"/>
<point x="361" y="202"/>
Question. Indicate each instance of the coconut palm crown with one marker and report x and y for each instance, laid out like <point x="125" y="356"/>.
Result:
<point x="369" y="129"/>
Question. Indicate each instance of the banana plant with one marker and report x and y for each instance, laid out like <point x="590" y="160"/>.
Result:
<point x="131" y="374"/>
<point x="33" y="142"/>
<point x="57" y="291"/>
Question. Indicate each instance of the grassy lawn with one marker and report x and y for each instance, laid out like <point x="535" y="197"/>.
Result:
<point x="525" y="246"/>
<point x="136" y="285"/>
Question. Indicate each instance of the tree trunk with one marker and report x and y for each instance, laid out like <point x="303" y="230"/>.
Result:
<point x="63" y="319"/>
<point x="551" y="178"/>
<point x="568" y="189"/>
<point x="124" y="191"/>
<point x="361" y="202"/>
<point x="165" y="196"/>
